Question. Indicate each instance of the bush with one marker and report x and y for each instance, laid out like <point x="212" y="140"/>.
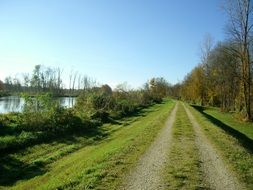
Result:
<point x="34" y="121"/>
<point x="103" y="106"/>
<point x="43" y="118"/>
<point x="94" y="105"/>
<point x="63" y="120"/>
<point x="102" y="116"/>
<point x="124" y="107"/>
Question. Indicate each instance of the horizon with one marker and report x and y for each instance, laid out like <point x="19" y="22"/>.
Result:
<point x="112" y="42"/>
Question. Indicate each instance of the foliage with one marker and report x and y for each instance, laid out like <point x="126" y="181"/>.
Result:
<point x="43" y="113"/>
<point x="92" y="105"/>
<point x="159" y="88"/>
<point x="216" y="82"/>
<point x="224" y="76"/>
<point x="43" y="118"/>
<point x="103" y="104"/>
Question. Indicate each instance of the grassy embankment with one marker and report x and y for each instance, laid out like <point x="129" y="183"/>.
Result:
<point x="97" y="162"/>
<point x="183" y="169"/>
<point x="236" y="148"/>
<point x="227" y="118"/>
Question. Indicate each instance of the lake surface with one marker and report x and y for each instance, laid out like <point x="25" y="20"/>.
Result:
<point x="15" y="103"/>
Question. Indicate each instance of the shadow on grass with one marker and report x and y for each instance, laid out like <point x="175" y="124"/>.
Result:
<point x="12" y="170"/>
<point x="137" y="113"/>
<point x="245" y="141"/>
<point x="67" y="137"/>
<point x="91" y="129"/>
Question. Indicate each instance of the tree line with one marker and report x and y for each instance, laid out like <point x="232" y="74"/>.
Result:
<point x="46" y="79"/>
<point x="224" y="76"/>
<point x="43" y="118"/>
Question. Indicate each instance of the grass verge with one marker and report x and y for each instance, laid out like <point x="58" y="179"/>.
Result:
<point x="183" y="168"/>
<point x="227" y="118"/>
<point x="100" y="165"/>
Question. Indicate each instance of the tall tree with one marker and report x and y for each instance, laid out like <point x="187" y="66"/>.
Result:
<point x="36" y="79"/>
<point x="222" y="77"/>
<point x="240" y="30"/>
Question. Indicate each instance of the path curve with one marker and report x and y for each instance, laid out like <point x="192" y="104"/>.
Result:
<point x="216" y="174"/>
<point x="147" y="174"/>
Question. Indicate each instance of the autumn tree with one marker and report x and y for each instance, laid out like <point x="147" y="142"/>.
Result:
<point x="106" y="89"/>
<point x="222" y="77"/>
<point x="193" y="87"/>
<point x="159" y="88"/>
<point x="240" y="31"/>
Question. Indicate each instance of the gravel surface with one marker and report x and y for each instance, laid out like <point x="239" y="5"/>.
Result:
<point x="216" y="174"/>
<point x="147" y="174"/>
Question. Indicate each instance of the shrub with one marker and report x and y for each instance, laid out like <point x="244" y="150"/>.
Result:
<point x="94" y="105"/>
<point x="102" y="116"/>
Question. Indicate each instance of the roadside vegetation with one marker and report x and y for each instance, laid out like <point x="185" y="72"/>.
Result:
<point x="102" y="124"/>
<point x="43" y="119"/>
<point x="231" y="120"/>
<point x="81" y="162"/>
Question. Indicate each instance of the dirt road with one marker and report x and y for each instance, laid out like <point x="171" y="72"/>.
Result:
<point x="216" y="174"/>
<point x="146" y="175"/>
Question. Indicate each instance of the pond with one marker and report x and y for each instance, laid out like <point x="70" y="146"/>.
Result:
<point x="15" y="103"/>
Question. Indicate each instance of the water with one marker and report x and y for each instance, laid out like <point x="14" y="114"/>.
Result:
<point x="15" y="103"/>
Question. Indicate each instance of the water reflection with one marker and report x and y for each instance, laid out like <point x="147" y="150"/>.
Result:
<point x="67" y="102"/>
<point x="15" y="103"/>
<point x="11" y="104"/>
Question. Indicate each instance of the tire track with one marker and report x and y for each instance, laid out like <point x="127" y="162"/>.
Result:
<point x="216" y="174"/>
<point x="147" y="174"/>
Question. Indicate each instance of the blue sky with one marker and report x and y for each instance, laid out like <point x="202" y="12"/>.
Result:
<point x="112" y="41"/>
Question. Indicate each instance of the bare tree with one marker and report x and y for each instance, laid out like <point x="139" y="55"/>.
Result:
<point x="70" y="80"/>
<point x="240" y="30"/>
<point x="26" y="80"/>
<point x="59" y="79"/>
<point x="74" y="80"/>
<point x="206" y="47"/>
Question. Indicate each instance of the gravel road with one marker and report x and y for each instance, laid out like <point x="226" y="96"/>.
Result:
<point x="147" y="173"/>
<point x="216" y="174"/>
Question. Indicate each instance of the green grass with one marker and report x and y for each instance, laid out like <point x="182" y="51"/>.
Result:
<point x="183" y="169"/>
<point x="86" y="163"/>
<point x="14" y="136"/>
<point x="239" y="159"/>
<point x="227" y="118"/>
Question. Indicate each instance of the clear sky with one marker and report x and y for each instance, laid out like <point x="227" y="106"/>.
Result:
<point x="111" y="40"/>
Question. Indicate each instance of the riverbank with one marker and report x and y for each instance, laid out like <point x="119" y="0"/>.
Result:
<point x="95" y="161"/>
